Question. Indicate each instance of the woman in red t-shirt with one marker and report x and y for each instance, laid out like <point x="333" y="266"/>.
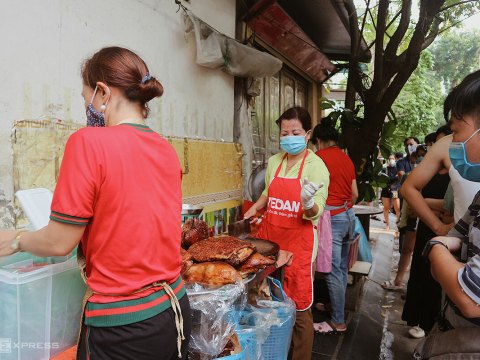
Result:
<point x="118" y="197"/>
<point x="342" y="195"/>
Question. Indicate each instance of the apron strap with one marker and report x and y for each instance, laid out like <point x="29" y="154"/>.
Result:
<point x="280" y="166"/>
<point x="333" y="208"/>
<point x="301" y="165"/>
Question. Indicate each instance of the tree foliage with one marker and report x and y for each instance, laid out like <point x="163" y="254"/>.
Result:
<point x="416" y="107"/>
<point x="398" y="41"/>
<point x="451" y="68"/>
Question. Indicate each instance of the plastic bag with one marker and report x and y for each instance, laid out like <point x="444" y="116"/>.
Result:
<point x="364" y="252"/>
<point x="211" y="317"/>
<point x="246" y="61"/>
<point x="216" y="50"/>
<point x="209" y="51"/>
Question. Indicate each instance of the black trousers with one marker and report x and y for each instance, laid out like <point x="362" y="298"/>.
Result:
<point x="151" y="339"/>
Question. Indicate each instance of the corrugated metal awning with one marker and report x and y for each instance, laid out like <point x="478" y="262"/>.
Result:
<point x="274" y="26"/>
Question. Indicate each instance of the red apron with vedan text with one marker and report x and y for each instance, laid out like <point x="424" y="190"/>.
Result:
<point x="283" y="224"/>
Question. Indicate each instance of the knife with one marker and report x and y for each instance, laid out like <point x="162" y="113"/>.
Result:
<point x="240" y="229"/>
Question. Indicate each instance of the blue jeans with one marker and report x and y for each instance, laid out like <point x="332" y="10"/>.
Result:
<point x="342" y="231"/>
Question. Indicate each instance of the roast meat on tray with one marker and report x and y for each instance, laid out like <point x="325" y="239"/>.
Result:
<point x="254" y="263"/>
<point x="212" y="273"/>
<point x="222" y="248"/>
<point x="193" y="231"/>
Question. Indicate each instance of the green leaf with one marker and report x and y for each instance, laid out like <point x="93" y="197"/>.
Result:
<point x="325" y="106"/>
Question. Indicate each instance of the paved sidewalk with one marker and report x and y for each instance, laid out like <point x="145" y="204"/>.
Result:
<point x="375" y="329"/>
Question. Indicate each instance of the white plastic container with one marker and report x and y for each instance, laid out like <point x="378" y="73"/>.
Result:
<point x="36" y="206"/>
<point x="40" y="308"/>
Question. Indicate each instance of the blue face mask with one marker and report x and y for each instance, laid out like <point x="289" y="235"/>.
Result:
<point x="293" y="145"/>
<point x="94" y="117"/>
<point x="458" y="157"/>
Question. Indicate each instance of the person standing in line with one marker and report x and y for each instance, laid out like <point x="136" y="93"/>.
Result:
<point x="390" y="192"/>
<point x="405" y="166"/>
<point x="460" y="277"/>
<point x="422" y="302"/>
<point x="406" y="249"/>
<point x="118" y="197"/>
<point x="296" y="186"/>
<point x="342" y="195"/>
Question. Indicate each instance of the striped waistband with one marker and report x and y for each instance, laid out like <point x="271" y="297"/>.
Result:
<point x="130" y="311"/>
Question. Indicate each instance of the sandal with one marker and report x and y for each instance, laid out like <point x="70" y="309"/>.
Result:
<point x="325" y="328"/>
<point x="390" y="285"/>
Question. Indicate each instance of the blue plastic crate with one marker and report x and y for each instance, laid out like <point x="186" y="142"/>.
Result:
<point x="248" y="340"/>
<point x="277" y="344"/>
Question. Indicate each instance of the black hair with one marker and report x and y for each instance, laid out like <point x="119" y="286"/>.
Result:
<point x="430" y="138"/>
<point x="445" y="129"/>
<point x="464" y="99"/>
<point x="325" y="131"/>
<point x="399" y="155"/>
<point x="421" y="147"/>
<point x="297" y="112"/>
<point x="411" y="137"/>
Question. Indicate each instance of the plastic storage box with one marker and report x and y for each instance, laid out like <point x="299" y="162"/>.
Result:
<point x="40" y="307"/>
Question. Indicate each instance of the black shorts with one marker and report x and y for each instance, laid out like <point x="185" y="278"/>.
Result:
<point x="389" y="193"/>
<point x="151" y="339"/>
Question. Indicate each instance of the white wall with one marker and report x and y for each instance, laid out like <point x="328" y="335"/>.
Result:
<point x="44" y="43"/>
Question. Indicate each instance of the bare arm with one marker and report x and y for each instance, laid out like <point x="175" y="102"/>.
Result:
<point x="55" y="239"/>
<point x="260" y="204"/>
<point x="310" y="213"/>
<point x="354" y="192"/>
<point x="435" y="204"/>
<point x="434" y="161"/>
<point x="444" y="269"/>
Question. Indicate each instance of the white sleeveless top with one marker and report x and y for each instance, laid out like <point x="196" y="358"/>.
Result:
<point x="463" y="192"/>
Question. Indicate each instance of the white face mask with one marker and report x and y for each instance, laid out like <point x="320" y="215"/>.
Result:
<point x="411" y="149"/>
<point x="391" y="162"/>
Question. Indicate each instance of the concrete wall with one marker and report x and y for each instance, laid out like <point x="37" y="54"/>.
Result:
<point x="45" y="42"/>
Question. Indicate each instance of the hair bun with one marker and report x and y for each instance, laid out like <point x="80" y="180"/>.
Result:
<point x="150" y="89"/>
<point x="145" y="91"/>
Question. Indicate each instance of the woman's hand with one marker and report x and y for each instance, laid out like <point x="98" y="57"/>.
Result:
<point x="284" y="258"/>
<point x="6" y="241"/>
<point x="308" y="191"/>
<point x="250" y="213"/>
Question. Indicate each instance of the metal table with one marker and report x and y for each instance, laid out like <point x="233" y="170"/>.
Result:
<point x="364" y="212"/>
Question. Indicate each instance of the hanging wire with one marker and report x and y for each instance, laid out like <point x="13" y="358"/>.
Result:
<point x="180" y="6"/>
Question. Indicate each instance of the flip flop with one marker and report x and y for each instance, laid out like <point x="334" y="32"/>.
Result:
<point x="390" y="285"/>
<point x="325" y="328"/>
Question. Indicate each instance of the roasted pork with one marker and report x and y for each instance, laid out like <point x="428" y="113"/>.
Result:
<point x="222" y="248"/>
<point x="192" y="231"/>
<point x="212" y="273"/>
<point x="254" y="263"/>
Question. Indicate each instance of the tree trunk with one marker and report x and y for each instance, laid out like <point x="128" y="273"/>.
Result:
<point x="365" y="140"/>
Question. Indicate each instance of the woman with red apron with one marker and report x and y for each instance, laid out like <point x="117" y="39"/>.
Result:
<point x="292" y="204"/>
